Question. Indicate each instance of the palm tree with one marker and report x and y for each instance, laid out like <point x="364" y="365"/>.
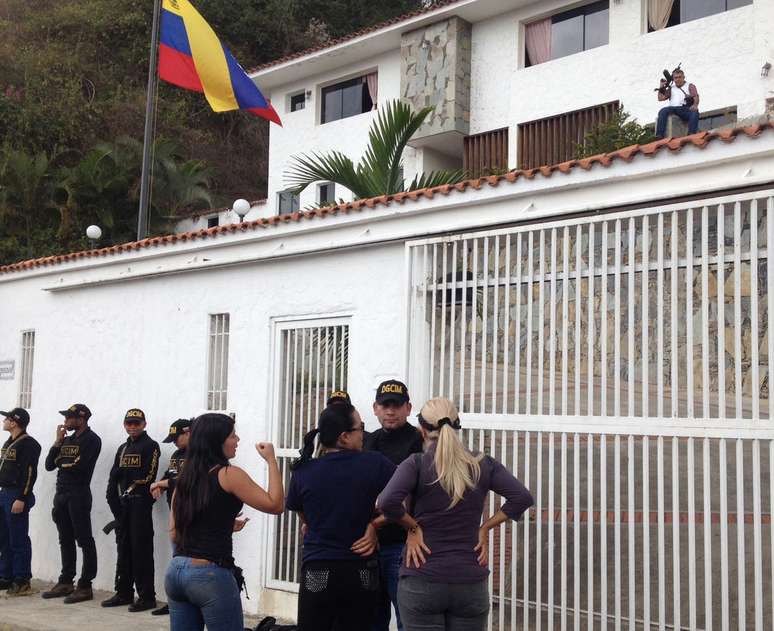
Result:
<point x="379" y="172"/>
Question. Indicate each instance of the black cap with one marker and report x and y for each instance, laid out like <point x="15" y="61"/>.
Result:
<point x="339" y="396"/>
<point x="19" y="415"/>
<point x="134" y="415"/>
<point x="392" y="390"/>
<point x="77" y="410"/>
<point x="179" y="427"/>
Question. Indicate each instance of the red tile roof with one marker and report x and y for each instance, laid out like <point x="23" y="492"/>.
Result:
<point x="350" y="36"/>
<point x="673" y="145"/>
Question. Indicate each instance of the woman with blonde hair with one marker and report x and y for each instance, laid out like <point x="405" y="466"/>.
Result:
<point x="443" y="580"/>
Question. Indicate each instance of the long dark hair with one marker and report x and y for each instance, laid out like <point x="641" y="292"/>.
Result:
<point x="335" y="419"/>
<point x="205" y="451"/>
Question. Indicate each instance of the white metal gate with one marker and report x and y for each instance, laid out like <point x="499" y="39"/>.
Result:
<point x="311" y="359"/>
<point x="619" y="365"/>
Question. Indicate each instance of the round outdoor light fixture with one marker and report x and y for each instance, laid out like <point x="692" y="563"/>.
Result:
<point x="241" y="207"/>
<point x="94" y="232"/>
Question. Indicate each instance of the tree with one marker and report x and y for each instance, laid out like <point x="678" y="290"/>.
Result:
<point x="616" y="133"/>
<point x="379" y="172"/>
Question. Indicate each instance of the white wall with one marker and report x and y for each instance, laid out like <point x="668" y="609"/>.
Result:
<point x="722" y="54"/>
<point x="144" y="344"/>
<point x="302" y="133"/>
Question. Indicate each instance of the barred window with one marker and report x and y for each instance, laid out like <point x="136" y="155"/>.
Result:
<point x="217" y="375"/>
<point x="25" y="381"/>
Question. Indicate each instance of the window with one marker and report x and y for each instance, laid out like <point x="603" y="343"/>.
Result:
<point x="297" y="102"/>
<point x="348" y="98"/>
<point x="326" y="193"/>
<point x="217" y="373"/>
<point x="25" y="381"/>
<point x="287" y="202"/>
<point x="688" y="10"/>
<point x="213" y="221"/>
<point x="567" y="33"/>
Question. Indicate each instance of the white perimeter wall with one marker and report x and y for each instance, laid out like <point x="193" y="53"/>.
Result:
<point x="144" y="344"/>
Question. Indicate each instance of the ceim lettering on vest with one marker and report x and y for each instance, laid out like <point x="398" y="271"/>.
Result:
<point x="69" y="451"/>
<point x="9" y="455"/>
<point x="392" y="387"/>
<point x="130" y="461"/>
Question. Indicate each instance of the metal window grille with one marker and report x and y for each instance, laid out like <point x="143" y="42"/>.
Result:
<point x="27" y="360"/>
<point x="619" y="365"/>
<point x="311" y="360"/>
<point x="217" y="373"/>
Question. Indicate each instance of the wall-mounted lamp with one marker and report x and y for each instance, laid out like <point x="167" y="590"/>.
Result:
<point x="241" y="207"/>
<point x="765" y="69"/>
<point x="308" y="95"/>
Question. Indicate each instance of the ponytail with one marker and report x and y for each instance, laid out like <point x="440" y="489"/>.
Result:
<point x="458" y="470"/>
<point x="334" y="420"/>
<point x="306" y="451"/>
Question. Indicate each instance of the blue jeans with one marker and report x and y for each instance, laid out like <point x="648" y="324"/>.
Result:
<point x="389" y="567"/>
<point x="15" y="544"/>
<point x="428" y="606"/>
<point x="685" y="114"/>
<point x="202" y="594"/>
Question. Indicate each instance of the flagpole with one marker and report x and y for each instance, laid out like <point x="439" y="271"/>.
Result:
<point x="142" y="218"/>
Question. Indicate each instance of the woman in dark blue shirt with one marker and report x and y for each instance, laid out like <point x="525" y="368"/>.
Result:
<point x="335" y="495"/>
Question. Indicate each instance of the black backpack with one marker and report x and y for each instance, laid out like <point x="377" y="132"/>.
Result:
<point x="270" y="624"/>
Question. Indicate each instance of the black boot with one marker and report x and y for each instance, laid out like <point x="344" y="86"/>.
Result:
<point x="161" y="611"/>
<point x="117" y="600"/>
<point x="142" y="604"/>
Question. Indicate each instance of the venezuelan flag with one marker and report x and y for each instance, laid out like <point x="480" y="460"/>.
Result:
<point x="192" y="57"/>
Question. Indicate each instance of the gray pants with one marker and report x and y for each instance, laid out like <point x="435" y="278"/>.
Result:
<point x="427" y="606"/>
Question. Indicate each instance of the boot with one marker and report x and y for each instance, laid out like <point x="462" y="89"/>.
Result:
<point x="117" y="600"/>
<point x="142" y="604"/>
<point x="19" y="588"/>
<point x="81" y="594"/>
<point x="161" y="611"/>
<point x="5" y="583"/>
<point x="59" y="590"/>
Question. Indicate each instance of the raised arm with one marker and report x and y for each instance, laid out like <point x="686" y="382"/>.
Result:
<point x="235" y="481"/>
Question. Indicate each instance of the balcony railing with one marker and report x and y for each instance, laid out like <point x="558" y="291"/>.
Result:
<point x="554" y="139"/>
<point x="484" y="154"/>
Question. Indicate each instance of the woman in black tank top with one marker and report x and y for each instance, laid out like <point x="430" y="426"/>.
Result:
<point x="200" y="581"/>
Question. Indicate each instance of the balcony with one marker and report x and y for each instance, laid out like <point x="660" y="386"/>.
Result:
<point x="486" y="154"/>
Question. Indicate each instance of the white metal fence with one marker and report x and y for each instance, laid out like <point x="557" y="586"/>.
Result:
<point x="217" y="372"/>
<point x="619" y="365"/>
<point x="312" y="360"/>
<point x="26" y="366"/>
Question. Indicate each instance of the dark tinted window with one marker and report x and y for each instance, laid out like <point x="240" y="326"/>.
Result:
<point x="325" y="193"/>
<point x="297" y="102"/>
<point x="713" y="121"/>
<point x="287" y="202"/>
<point x="580" y="29"/>
<point x="344" y="99"/>
<point x="695" y="9"/>
<point x="212" y="221"/>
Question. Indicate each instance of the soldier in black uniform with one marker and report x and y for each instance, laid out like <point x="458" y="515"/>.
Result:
<point x="18" y="471"/>
<point x="129" y="497"/>
<point x="75" y="457"/>
<point x="179" y="433"/>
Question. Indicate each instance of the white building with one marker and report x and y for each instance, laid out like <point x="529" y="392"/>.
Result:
<point x="600" y="390"/>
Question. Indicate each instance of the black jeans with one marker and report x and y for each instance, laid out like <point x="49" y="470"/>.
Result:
<point x="72" y="516"/>
<point x="338" y="595"/>
<point x="135" y="548"/>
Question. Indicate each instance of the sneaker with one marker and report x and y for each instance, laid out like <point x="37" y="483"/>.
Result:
<point x="5" y="583"/>
<point x="60" y="590"/>
<point x="161" y="611"/>
<point x="19" y="588"/>
<point x="117" y="600"/>
<point x="81" y="594"/>
<point x="142" y="605"/>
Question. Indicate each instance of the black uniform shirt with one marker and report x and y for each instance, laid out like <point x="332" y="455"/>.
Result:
<point x="19" y="467"/>
<point x="75" y="458"/>
<point x="176" y="464"/>
<point x="134" y="469"/>
<point x="395" y="445"/>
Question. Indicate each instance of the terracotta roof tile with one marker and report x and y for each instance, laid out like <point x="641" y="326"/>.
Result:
<point x="439" y="4"/>
<point x="626" y="154"/>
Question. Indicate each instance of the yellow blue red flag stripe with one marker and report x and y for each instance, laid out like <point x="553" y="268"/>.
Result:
<point x="192" y="57"/>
